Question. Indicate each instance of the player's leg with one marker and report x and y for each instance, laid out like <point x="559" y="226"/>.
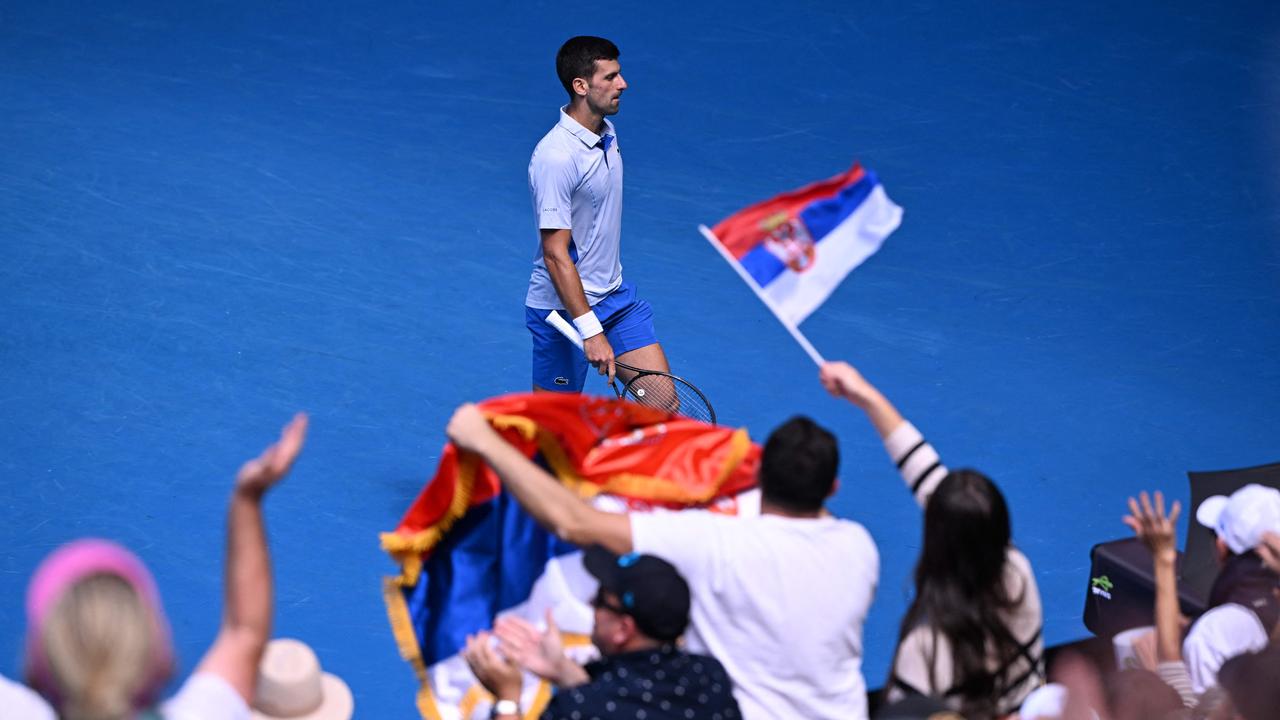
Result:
<point x="629" y="327"/>
<point x="649" y="357"/>
<point x="628" y="324"/>
<point x="558" y="366"/>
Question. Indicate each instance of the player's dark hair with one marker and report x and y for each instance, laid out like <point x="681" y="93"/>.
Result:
<point x="577" y="58"/>
<point x="798" y="466"/>
<point x="961" y="592"/>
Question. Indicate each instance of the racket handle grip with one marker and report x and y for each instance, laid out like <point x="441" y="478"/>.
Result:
<point x="557" y="321"/>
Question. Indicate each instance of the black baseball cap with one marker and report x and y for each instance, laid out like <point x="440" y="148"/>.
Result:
<point x="650" y="589"/>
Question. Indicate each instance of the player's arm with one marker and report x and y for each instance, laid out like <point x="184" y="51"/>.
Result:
<point x="247" y="600"/>
<point x="564" y="274"/>
<point x="568" y="285"/>
<point x="549" y="502"/>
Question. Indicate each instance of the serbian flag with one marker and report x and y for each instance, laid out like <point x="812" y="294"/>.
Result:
<point x="467" y="552"/>
<point x="794" y="249"/>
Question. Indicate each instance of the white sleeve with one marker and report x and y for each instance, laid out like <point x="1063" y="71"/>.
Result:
<point x="917" y="461"/>
<point x="1219" y="635"/>
<point x="205" y="696"/>
<point x="552" y="179"/>
<point x="688" y="540"/>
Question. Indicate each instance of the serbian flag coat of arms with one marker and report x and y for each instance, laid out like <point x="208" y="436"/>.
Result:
<point x="797" y="247"/>
<point x="467" y="552"/>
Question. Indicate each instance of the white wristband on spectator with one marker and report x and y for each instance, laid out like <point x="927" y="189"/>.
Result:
<point x="588" y="325"/>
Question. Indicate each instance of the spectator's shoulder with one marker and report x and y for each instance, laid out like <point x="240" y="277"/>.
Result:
<point x="206" y="696"/>
<point x="23" y="702"/>
<point x="856" y="535"/>
<point x="1018" y="571"/>
<point x="706" y="662"/>
<point x="1230" y="622"/>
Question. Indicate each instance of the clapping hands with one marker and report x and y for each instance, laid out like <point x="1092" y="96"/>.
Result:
<point x="541" y="653"/>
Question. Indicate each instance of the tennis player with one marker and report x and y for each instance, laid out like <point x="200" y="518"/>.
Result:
<point x="575" y="176"/>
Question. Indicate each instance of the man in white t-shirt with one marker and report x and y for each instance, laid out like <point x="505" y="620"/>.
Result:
<point x="779" y="599"/>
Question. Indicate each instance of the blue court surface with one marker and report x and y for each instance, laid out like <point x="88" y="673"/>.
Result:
<point x="215" y="214"/>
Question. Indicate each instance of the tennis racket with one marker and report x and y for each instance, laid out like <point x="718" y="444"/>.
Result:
<point x="653" y="388"/>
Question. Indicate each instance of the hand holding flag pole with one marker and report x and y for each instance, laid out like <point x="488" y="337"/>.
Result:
<point x="798" y="336"/>
<point x="794" y="249"/>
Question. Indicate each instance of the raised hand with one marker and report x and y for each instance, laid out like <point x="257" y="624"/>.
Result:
<point x="468" y="428"/>
<point x="842" y="380"/>
<point x="259" y="474"/>
<point x="1153" y="527"/>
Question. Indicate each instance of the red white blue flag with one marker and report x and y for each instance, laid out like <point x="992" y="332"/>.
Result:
<point x="467" y="552"/>
<point x="798" y="246"/>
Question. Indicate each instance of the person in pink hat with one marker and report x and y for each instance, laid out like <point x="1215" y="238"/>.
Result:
<point x="98" y="644"/>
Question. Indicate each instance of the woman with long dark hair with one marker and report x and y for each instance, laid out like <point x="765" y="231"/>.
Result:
<point x="971" y="636"/>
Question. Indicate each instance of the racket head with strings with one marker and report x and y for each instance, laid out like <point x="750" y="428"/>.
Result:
<point x="665" y="391"/>
<point x="649" y="387"/>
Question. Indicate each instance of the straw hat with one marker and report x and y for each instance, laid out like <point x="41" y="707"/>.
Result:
<point x="291" y="685"/>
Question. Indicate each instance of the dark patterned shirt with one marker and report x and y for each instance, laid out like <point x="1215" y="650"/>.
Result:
<point x="659" y="684"/>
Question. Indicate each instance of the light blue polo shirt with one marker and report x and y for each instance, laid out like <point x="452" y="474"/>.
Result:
<point x="575" y="177"/>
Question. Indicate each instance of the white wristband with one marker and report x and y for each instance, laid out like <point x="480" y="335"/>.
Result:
<point x="505" y="707"/>
<point x="588" y="325"/>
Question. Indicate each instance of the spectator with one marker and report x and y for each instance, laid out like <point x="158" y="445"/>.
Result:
<point x="641" y="609"/>
<point x="1137" y="694"/>
<point x="1161" y="651"/>
<point x="1080" y="693"/>
<point x="1243" y="609"/>
<point x="1269" y="550"/>
<point x="98" y="645"/>
<point x="779" y="599"/>
<point x="1252" y="685"/>
<point x="971" y="635"/>
<point x="291" y="684"/>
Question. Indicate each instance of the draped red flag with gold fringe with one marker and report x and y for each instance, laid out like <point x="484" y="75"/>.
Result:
<point x="496" y="554"/>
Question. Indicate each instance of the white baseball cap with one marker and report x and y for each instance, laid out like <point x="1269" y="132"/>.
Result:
<point x="1241" y="519"/>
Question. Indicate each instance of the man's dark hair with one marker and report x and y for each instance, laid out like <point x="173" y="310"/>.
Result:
<point x="798" y="466"/>
<point x="577" y="58"/>
<point x="1253" y="682"/>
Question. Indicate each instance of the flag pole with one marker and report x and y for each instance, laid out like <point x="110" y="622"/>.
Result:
<point x="798" y="336"/>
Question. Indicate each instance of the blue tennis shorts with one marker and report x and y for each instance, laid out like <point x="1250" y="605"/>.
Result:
<point x="560" y="366"/>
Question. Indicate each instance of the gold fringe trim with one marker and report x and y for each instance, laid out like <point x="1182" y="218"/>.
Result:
<point x="407" y="644"/>
<point x="540" y="700"/>
<point x="408" y="549"/>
